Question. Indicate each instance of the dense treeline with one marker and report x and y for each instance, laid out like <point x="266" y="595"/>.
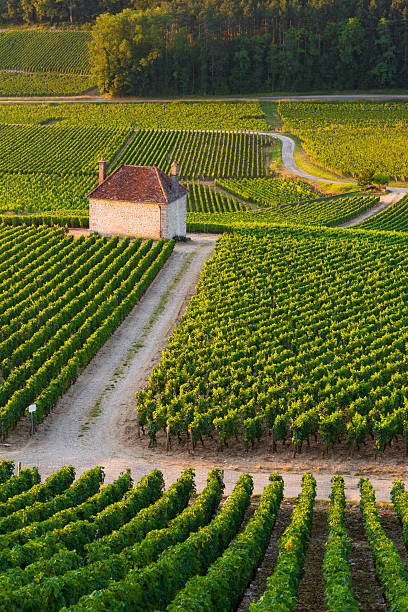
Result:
<point x="182" y="47"/>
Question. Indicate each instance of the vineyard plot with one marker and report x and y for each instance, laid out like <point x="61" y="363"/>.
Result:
<point x="352" y="137"/>
<point x="394" y="218"/>
<point x="293" y="334"/>
<point x="43" y="84"/>
<point x="45" y="192"/>
<point x="270" y="192"/>
<point x="143" y="115"/>
<point x="205" y="199"/>
<point x="77" y="545"/>
<point x="60" y="300"/>
<point x="324" y="211"/>
<point x="33" y="50"/>
<point x="204" y="154"/>
<point x="56" y="150"/>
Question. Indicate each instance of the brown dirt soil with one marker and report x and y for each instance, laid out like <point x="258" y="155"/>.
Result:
<point x="392" y="527"/>
<point x="366" y="589"/>
<point x="311" y="586"/>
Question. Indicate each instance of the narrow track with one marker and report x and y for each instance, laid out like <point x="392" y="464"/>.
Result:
<point x="366" y="589"/>
<point x="311" y="587"/>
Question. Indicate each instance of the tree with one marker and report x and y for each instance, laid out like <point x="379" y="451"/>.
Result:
<point x="352" y="54"/>
<point x="385" y="67"/>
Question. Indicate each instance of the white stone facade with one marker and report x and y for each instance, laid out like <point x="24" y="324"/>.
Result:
<point x="174" y="218"/>
<point x="138" y="219"/>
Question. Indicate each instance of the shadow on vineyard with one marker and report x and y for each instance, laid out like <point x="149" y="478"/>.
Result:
<point x="72" y="543"/>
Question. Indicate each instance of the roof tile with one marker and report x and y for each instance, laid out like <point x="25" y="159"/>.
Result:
<point x="144" y="184"/>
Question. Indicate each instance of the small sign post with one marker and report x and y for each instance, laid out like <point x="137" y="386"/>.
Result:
<point x="31" y="409"/>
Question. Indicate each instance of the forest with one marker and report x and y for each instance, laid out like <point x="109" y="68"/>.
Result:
<point x="181" y="47"/>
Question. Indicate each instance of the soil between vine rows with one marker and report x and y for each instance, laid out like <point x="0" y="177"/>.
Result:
<point x="311" y="587"/>
<point x="366" y="589"/>
<point x="365" y="586"/>
<point x="258" y="584"/>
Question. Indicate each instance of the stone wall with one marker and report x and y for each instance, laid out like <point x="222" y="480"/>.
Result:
<point x="174" y="218"/>
<point x="124" y="218"/>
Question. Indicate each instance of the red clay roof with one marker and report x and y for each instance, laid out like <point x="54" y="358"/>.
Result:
<point x="137" y="184"/>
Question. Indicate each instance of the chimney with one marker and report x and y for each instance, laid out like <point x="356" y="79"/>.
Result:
<point x="102" y="170"/>
<point x="174" y="173"/>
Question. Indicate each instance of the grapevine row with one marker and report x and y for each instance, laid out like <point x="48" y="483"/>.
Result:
<point x="240" y="367"/>
<point x="84" y="295"/>
<point x="204" y="154"/>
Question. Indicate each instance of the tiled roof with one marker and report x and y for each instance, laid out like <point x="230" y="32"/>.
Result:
<point x="137" y="184"/>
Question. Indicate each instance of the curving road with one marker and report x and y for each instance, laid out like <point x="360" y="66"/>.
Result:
<point x="288" y="158"/>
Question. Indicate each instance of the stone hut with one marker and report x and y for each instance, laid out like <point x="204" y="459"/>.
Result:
<point x="138" y="201"/>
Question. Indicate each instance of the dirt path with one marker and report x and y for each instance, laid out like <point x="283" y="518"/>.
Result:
<point x="309" y="97"/>
<point x="311" y="587"/>
<point x="95" y="421"/>
<point x="384" y="202"/>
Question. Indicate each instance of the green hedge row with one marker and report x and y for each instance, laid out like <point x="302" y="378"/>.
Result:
<point x="389" y="567"/>
<point x="17" y="484"/>
<point x="50" y="220"/>
<point x="53" y="593"/>
<point x="6" y="470"/>
<point x="14" y="556"/>
<point x="281" y="590"/>
<point x="153" y="587"/>
<point x="76" y="535"/>
<point x="55" y="484"/>
<point x="336" y="570"/>
<point x="221" y="589"/>
<point x="16" y="524"/>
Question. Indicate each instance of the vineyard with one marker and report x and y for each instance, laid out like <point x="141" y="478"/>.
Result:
<point x="59" y="302"/>
<point x="50" y="163"/>
<point x="56" y="150"/>
<point x="352" y="137"/>
<point x="148" y="115"/>
<point x="329" y="212"/>
<point x="205" y="199"/>
<point x="394" y="218"/>
<point x="269" y="192"/>
<point x="204" y="154"/>
<point x="282" y="339"/>
<point x="42" y="51"/>
<point x="45" y="192"/>
<point x="42" y="84"/>
<point x="78" y="545"/>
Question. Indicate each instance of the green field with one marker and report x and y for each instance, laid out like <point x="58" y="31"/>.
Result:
<point x="393" y="218"/>
<point x="204" y="154"/>
<point x="270" y="192"/>
<point x="45" y="192"/>
<point x="59" y="302"/>
<point x="49" y="152"/>
<point x="206" y="199"/>
<point x="295" y="352"/>
<point x="77" y="545"/>
<point x="324" y="211"/>
<point x="142" y="115"/>
<point x="17" y="84"/>
<point x="352" y="137"/>
<point x="42" y="51"/>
